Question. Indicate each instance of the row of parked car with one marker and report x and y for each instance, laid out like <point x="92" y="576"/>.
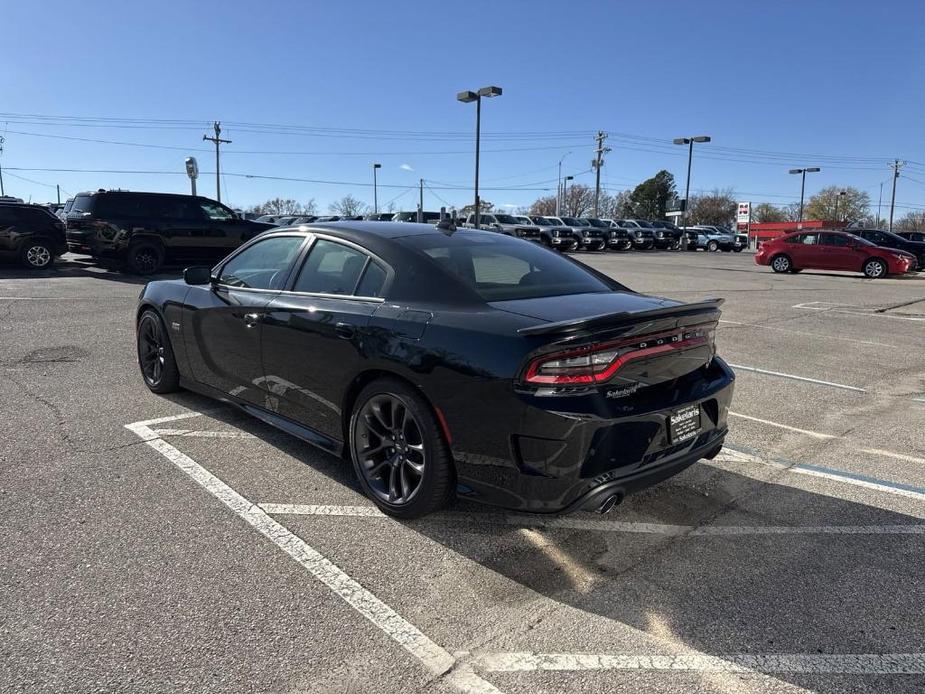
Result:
<point x="566" y="233"/>
<point x="143" y="231"/>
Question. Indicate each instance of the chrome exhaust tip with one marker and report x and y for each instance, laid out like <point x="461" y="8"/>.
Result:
<point x="609" y="503"/>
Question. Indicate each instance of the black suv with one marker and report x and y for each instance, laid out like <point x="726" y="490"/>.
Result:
<point x="887" y="239"/>
<point x="147" y="229"/>
<point x="31" y="234"/>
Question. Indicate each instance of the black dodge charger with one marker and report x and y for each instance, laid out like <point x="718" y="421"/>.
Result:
<point x="447" y="362"/>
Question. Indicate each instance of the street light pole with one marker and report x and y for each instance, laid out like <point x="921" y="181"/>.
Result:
<point x="468" y="97"/>
<point x="689" y="141"/>
<point x="896" y="166"/>
<point x="803" y="172"/>
<point x="375" y="189"/>
<point x="559" y="184"/>
<point x="564" y="188"/>
<point x="837" y="198"/>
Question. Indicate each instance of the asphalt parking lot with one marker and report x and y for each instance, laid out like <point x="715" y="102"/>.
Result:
<point x="172" y="544"/>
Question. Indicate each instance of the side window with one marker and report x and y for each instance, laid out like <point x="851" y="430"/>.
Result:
<point x="7" y="215"/>
<point x="809" y="239"/>
<point x="331" y="268"/>
<point x="215" y="211"/>
<point x="834" y="240"/>
<point x="372" y="281"/>
<point x="263" y="265"/>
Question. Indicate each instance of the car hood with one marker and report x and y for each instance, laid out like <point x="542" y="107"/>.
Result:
<point x="558" y="308"/>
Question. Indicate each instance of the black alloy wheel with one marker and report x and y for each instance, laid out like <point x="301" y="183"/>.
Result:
<point x="398" y="452"/>
<point x="391" y="448"/>
<point x="155" y="356"/>
<point x="145" y="258"/>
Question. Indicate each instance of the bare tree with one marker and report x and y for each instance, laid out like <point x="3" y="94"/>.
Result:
<point x="766" y="212"/>
<point x="718" y="207"/>
<point x="278" y="206"/>
<point x="544" y="207"/>
<point x="578" y="201"/>
<point x="484" y="207"/>
<point x="617" y="206"/>
<point x="309" y="207"/>
<point x="912" y="221"/>
<point x="854" y="204"/>
<point x="347" y="206"/>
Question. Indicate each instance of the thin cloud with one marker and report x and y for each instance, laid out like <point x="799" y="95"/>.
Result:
<point x="406" y="167"/>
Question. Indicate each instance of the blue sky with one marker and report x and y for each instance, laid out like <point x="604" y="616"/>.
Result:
<point x="776" y="85"/>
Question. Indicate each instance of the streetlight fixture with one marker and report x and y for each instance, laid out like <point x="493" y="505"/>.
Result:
<point x="689" y="141"/>
<point x="564" y="186"/>
<point x="841" y="193"/>
<point x="803" y="172"/>
<point x="466" y="98"/>
<point x="559" y="184"/>
<point x="375" y="189"/>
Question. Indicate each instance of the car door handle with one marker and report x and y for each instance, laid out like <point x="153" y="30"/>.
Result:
<point x="251" y="319"/>
<point x="344" y="330"/>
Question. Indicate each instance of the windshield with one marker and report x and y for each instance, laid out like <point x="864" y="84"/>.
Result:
<point x="643" y="224"/>
<point x="598" y="223"/>
<point x="506" y="219"/>
<point x="502" y="268"/>
<point x="523" y="220"/>
<point x="541" y="221"/>
<point x="574" y="222"/>
<point x="862" y="241"/>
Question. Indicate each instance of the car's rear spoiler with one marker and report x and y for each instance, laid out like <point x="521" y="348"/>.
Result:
<point x="610" y="319"/>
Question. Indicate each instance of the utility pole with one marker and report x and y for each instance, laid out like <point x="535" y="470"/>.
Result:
<point x="1" y="168"/>
<point x="421" y="201"/>
<point x="596" y="165"/>
<point x="896" y="166"/>
<point x="58" y="189"/>
<point x="375" y="189"/>
<point x="218" y="142"/>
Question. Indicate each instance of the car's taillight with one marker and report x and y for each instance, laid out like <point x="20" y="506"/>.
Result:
<point x="598" y="362"/>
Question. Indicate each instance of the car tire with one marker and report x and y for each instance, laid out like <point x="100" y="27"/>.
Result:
<point x="737" y="249"/>
<point x="37" y="254"/>
<point x="875" y="268"/>
<point x="155" y="354"/>
<point x="145" y="257"/>
<point x="781" y="263"/>
<point x="712" y="246"/>
<point x="406" y="467"/>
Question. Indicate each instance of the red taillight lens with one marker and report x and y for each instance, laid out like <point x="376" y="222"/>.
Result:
<point x="597" y="363"/>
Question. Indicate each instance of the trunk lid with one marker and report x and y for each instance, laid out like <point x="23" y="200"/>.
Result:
<point x="615" y="341"/>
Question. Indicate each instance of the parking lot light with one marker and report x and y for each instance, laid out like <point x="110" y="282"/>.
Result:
<point x="468" y="97"/>
<point x="689" y="141"/>
<point x="837" y="198"/>
<point x="564" y="187"/>
<point x="375" y="191"/>
<point x="803" y="172"/>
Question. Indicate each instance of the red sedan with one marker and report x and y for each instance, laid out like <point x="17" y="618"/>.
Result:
<point x="832" y="250"/>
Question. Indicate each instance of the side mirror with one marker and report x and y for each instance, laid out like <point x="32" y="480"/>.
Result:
<point x="198" y="274"/>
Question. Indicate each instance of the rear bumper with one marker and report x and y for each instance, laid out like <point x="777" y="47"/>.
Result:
<point x="570" y="453"/>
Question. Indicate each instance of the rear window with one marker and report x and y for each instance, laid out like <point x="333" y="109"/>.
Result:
<point x="82" y="203"/>
<point x="501" y="268"/>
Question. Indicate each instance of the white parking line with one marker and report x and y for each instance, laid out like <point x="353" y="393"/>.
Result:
<point x="891" y="454"/>
<point x="737" y="455"/>
<point x="189" y="433"/>
<point x="837" y="308"/>
<point x="794" y="377"/>
<point x="807" y="432"/>
<point x="524" y="521"/>
<point x="776" y="663"/>
<point x="433" y="657"/>
<point x="827" y="338"/>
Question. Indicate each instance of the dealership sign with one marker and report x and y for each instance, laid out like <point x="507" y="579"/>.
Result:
<point x="744" y="213"/>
